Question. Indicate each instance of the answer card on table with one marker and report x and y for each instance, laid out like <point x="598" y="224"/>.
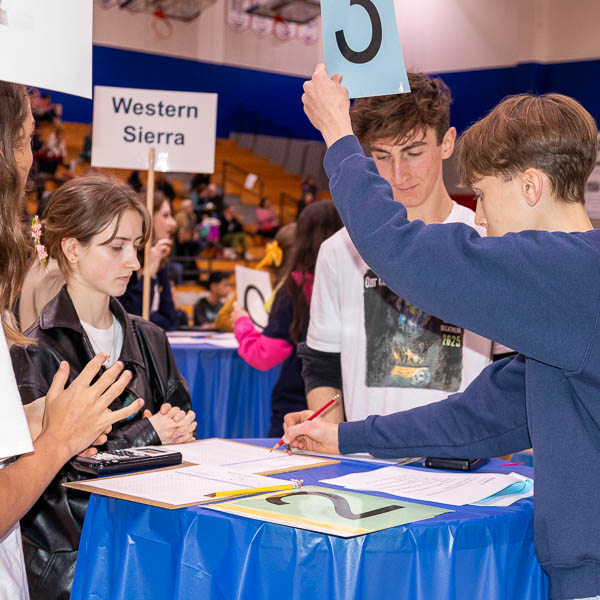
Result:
<point x="330" y="511"/>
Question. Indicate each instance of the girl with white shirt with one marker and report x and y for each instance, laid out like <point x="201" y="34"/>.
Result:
<point x="75" y="417"/>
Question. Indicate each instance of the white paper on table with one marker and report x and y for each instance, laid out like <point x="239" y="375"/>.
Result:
<point x="200" y="333"/>
<point x="227" y="343"/>
<point x="244" y="458"/>
<point x="523" y="488"/>
<point x="222" y="343"/>
<point x="185" y="340"/>
<point x="366" y="457"/>
<point x="186" y="485"/>
<point x="456" y="489"/>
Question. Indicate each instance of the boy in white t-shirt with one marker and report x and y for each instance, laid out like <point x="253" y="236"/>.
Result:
<point x="383" y="352"/>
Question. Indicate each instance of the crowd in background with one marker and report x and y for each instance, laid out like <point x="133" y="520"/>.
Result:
<point x="203" y="225"/>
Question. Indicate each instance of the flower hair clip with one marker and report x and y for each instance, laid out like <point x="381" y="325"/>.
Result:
<point x="36" y="234"/>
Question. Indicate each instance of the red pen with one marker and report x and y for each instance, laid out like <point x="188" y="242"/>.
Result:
<point x="315" y="414"/>
<point x="513" y="464"/>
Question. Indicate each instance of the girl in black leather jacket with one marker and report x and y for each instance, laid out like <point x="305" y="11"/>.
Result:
<point x="94" y="227"/>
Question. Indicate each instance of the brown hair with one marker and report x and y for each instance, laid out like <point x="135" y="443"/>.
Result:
<point x="85" y="207"/>
<point x="551" y="132"/>
<point x="14" y="107"/>
<point x="317" y="222"/>
<point x="398" y="116"/>
<point x="285" y="237"/>
<point x="158" y="201"/>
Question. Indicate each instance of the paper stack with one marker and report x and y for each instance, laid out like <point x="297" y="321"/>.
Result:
<point x="456" y="489"/>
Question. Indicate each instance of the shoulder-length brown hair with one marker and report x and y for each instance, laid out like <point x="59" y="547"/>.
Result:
<point x="317" y="222"/>
<point x="85" y="207"/>
<point x="14" y="107"/>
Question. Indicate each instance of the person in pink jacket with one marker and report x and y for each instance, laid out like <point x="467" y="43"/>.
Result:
<point x="288" y="319"/>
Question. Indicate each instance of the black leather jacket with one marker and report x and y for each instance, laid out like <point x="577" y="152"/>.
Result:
<point x="52" y="528"/>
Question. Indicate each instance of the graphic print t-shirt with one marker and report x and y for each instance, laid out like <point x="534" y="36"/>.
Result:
<point x="394" y="356"/>
<point x="405" y="346"/>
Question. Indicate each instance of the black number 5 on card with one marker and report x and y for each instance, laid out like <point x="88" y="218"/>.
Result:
<point x="369" y="53"/>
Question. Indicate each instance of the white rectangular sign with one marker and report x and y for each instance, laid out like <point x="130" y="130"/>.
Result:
<point x="253" y="289"/>
<point x="181" y="126"/>
<point x="47" y="44"/>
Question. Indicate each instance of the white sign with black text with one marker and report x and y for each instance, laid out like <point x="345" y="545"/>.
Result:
<point x="181" y="126"/>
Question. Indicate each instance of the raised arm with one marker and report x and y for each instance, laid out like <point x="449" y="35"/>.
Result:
<point x="498" y="287"/>
<point x="517" y="289"/>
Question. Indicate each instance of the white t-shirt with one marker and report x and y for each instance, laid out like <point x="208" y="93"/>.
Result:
<point x="109" y="341"/>
<point x="394" y="356"/>
<point x="14" y="440"/>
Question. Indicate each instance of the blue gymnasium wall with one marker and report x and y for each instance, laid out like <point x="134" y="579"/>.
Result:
<point x="265" y="103"/>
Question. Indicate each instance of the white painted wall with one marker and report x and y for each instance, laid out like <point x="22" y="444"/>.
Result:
<point x="436" y="35"/>
<point x="207" y="39"/>
<point x="248" y="50"/>
<point x="200" y="40"/>
<point x="457" y="35"/>
<point x="570" y="30"/>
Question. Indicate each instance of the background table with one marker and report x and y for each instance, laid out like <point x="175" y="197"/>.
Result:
<point x="230" y="398"/>
<point x="132" y="551"/>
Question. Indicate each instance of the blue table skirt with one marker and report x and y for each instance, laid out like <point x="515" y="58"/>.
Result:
<point x="230" y="398"/>
<point x="131" y="551"/>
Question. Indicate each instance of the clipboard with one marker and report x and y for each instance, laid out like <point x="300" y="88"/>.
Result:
<point x="322" y="462"/>
<point x="84" y="486"/>
<point x="91" y="487"/>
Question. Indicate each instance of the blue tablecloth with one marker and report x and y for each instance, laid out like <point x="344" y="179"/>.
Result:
<point x="230" y="398"/>
<point x="130" y="551"/>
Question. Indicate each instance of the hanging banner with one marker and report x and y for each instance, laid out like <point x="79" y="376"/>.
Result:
<point x="181" y="126"/>
<point x="285" y="31"/>
<point x="239" y="20"/>
<point x="237" y="17"/>
<point x="262" y="26"/>
<point x="47" y="44"/>
<point x="309" y="33"/>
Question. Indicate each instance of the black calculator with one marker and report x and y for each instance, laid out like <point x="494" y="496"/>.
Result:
<point x="127" y="459"/>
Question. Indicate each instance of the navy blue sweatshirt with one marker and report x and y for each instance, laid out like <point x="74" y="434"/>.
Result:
<point x="535" y="291"/>
<point x="166" y="316"/>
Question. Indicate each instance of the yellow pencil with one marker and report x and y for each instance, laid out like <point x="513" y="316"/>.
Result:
<point x="273" y="488"/>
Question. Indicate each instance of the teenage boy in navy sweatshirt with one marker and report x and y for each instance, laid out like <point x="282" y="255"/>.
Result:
<point x="533" y="285"/>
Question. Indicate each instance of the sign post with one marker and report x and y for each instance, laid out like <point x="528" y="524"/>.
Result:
<point x="148" y="247"/>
